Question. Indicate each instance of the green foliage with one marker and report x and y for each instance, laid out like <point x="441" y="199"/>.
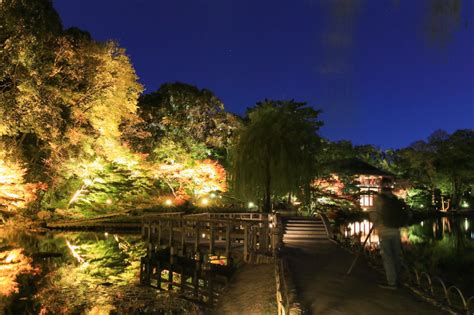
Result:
<point x="112" y="186"/>
<point x="185" y="114"/>
<point x="276" y="151"/>
<point x="63" y="96"/>
<point x="450" y="257"/>
<point x="418" y="198"/>
<point x="445" y="162"/>
<point x="185" y="152"/>
<point x="344" y="150"/>
<point x="27" y="34"/>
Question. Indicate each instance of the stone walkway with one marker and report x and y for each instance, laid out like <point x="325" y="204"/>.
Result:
<point x="319" y="274"/>
<point x="251" y="292"/>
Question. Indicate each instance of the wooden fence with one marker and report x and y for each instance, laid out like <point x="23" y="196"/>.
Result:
<point x="232" y="235"/>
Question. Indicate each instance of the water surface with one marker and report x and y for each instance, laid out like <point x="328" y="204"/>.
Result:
<point x="78" y="273"/>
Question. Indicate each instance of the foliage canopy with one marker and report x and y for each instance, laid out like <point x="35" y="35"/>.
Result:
<point x="276" y="151"/>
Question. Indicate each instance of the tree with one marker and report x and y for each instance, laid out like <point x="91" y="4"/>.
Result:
<point x="276" y="150"/>
<point x="454" y="164"/>
<point x="27" y="34"/>
<point x="185" y="114"/>
<point x="444" y="163"/>
<point x="65" y="99"/>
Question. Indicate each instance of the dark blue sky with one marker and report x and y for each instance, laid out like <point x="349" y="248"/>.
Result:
<point x="374" y="71"/>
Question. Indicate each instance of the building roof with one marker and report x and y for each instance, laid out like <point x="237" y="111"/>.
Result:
<point x="357" y="167"/>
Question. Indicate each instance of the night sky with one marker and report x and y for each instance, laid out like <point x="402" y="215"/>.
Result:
<point x="373" y="69"/>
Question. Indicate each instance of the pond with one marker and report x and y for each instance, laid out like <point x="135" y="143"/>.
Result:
<point x="78" y="273"/>
<point x="443" y="247"/>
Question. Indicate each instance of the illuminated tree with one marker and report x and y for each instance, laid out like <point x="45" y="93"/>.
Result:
<point x="15" y="192"/>
<point x="276" y="151"/>
<point x="64" y="97"/>
<point x="183" y="113"/>
<point x="26" y="37"/>
<point x="444" y="163"/>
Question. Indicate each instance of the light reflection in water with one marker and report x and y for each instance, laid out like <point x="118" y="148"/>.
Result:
<point x="440" y="227"/>
<point x="12" y="264"/>
<point x="361" y="230"/>
<point x="55" y="273"/>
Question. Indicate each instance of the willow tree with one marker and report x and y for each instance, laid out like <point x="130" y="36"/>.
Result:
<point x="276" y="151"/>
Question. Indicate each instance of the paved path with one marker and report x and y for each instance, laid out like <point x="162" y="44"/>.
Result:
<point x="251" y="292"/>
<point x="319" y="272"/>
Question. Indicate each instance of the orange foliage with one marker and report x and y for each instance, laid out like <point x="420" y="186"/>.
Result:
<point x="203" y="177"/>
<point x="210" y="176"/>
<point x="332" y="185"/>
<point x="14" y="193"/>
<point x="12" y="264"/>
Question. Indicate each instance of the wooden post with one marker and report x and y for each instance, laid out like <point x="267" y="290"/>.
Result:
<point x="147" y="238"/>
<point x="182" y="283"/>
<point x="170" y="235"/>
<point x="145" y="271"/>
<point x="254" y="237"/>
<point x="158" y="275"/>
<point x="211" y="239"/>
<point x="183" y="237"/>
<point x="144" y="231"/>
<point x="246" y="243"/>
<point x="274" y="232"/>
<point x="263" y="237"/>
<point x="196" y="237"/>
<point x="170" y="277"/>
<point x="160" y="228"/>
<point x="210" y="289"/>
<point x="227" y="242"/>
<point x="195" y="280"/>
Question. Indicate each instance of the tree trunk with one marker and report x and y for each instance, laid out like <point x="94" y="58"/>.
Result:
<point x="267" y="203"/>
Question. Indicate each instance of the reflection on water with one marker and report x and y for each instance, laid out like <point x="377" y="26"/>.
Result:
<point x="77" y="273"/>
<point x="432" y="229"/>
<point x="197" y="279"/>
<point x="443" y="247"/>
<point x="13" y="263"/>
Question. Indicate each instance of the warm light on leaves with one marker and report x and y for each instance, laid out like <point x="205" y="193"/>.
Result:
<point x="12" y="264"/>
<point x="74" y="253"/>
<point x="201" y="178"/>
<point x="14" y="193"/>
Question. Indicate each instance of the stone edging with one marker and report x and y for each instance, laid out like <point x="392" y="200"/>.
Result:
<point x="286" y="295"/>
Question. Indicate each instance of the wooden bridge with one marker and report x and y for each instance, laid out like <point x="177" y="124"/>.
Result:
<point x="196" y="254"/>
<point x="227" y="236"/>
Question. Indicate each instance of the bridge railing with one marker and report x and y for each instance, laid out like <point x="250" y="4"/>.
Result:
<point x="212" y="234"/>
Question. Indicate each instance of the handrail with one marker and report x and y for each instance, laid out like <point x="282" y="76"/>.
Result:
<point x="325" y="220"/>
<point x="200" y="219"/>
<point x="428" y="287"/>
<point x="206" y="234"/>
